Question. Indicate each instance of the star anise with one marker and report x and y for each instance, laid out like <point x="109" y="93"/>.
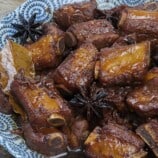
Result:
<point x="90" y="104"/>
<point x="155" y="58"/>
<point x="113" y="18"/>
<point x="28" y="30"/>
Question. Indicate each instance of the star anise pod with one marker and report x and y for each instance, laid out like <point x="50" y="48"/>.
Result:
<point x="155" y="58"/>
<point x="90" y="103"/>
<point x="28" y="30"/>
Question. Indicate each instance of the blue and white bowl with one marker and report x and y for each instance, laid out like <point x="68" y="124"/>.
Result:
<point x="13" y="143"/>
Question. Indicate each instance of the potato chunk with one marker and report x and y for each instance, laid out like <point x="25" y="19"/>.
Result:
<point x="42" y="111"/>
<point x="123" y="65"/>
<point x="99" y="32"/>
<point x="144" y="99"/>
<point x="47" y="51"/>
<point x="114" y="141"/>
<point x="148" y="132"/>
<point x="77" y="69"/>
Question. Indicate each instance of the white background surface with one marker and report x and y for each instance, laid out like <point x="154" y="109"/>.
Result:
<point x="8" y="5"/>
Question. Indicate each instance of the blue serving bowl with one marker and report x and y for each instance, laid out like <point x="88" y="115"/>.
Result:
<point x="14" y="143"/>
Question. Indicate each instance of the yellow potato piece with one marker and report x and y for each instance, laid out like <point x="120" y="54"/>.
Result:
<point x="3" y="76"/>
<point x="22" y="59"/>
<point x="14" y="57"/>
<point x="17" y="108"/>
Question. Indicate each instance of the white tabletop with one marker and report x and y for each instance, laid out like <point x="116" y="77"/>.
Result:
<point x="7" y="6"/>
